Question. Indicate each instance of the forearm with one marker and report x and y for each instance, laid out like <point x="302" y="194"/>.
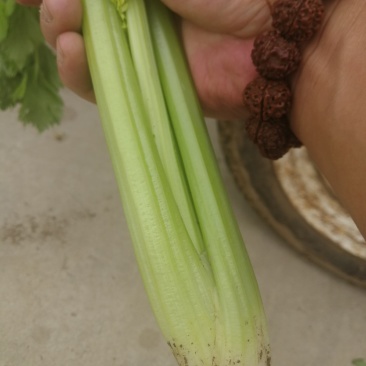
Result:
<point x="329" y="112"/>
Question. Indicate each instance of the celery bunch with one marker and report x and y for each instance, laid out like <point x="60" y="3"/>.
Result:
<point x="196" y="271"/>
<point x="190" y="252"/>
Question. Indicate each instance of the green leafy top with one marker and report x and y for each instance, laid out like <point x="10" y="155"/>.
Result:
<point x="28" y="72"/>
<point x="359" y="362"/>
<point x="6" y="9"/>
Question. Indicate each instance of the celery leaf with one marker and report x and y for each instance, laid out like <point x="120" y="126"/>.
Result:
<point x="22" y="40"/>
<point x="359" y="362"/>
<point x="41" y="103"/>
<point x="6" y="9"/>
<point x="28" y="72"/>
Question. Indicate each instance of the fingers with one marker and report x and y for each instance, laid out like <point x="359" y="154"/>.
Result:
<point x="73" y="65"/>
<point x="59" y="16"/>
<point x="61" y="22"/>
<point x="243" y="18"/>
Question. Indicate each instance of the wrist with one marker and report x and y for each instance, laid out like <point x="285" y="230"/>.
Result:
<point x="329" y="108"/>
<point x="332" y="75"/>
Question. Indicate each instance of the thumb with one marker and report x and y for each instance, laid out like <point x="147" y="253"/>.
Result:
<point x="242" y="18"/>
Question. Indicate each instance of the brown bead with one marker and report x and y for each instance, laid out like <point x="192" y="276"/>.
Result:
<point x="252" y="126"/>
<point x="267" y="99"/>
<point x="272" y="138"/>
<point x="274" y="56"/>
<point x="297" y="20"/>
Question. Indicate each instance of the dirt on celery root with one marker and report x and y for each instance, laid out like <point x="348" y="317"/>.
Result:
<point x="181" y="355"/>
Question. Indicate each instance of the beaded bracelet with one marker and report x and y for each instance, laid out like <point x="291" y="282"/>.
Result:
<point x="276" y="55"/>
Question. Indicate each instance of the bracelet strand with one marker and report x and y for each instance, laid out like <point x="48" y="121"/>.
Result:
<point x="276" y="55"/>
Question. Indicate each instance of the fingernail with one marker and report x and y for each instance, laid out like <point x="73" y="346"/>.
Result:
<point x="46" y="16"/>
<point x="59" y="54"/>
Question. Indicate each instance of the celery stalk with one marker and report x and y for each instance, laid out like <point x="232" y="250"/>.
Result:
<point x="191" y="256"/>
<point x="152" y="94"/>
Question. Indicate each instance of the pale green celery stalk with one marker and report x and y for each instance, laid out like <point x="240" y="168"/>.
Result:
<point x="210" y="312"/>
<point x="179" y="287"/>
<point x="152" y="95"/>
<point x="240" y="315"/>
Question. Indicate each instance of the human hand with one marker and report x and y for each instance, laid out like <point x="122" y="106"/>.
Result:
<point x="329" y="88"/>
<point x="217" y="41"/>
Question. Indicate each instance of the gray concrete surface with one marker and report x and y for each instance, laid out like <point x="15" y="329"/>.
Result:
<point x="70" y="291"/>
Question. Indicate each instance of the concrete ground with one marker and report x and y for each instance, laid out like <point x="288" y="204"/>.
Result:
<point x="70" y="291"/>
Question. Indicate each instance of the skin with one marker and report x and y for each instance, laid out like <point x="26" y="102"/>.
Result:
<point x="213" y="51"/>
<point x="329" y="109"/>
